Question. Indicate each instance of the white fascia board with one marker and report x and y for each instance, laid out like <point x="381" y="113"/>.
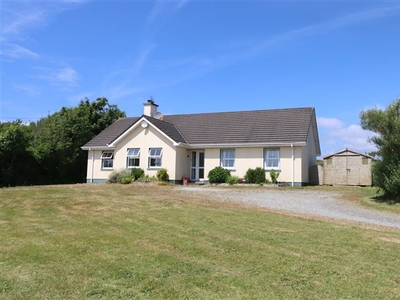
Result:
<point x="134" y="126"/>
<point x="125" y="133"/>
<point x="245" y="145"/>
<point x="97" y="148"/>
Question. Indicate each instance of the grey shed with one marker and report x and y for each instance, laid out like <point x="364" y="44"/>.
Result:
<point x="348" y="167"/>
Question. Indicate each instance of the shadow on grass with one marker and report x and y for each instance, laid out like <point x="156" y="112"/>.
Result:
<point x="385" y="199"/>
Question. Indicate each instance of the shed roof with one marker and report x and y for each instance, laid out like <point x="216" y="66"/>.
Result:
<point x="347" y="151"/>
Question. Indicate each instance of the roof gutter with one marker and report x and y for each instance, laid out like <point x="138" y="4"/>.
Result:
<point x="241" y="145"/>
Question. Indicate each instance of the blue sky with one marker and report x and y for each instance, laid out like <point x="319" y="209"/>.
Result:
<point x="204" y="56"/>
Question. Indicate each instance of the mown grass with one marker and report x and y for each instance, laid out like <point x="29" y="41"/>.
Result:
<point x="152" y="242"/>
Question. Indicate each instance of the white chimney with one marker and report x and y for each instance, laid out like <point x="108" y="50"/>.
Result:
<point x="150" y="108"/>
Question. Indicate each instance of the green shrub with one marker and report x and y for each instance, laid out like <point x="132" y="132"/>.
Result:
<point x="126" y="180"/>
<point x="218" y="175"/>
<point x="162" y="175"/>
<point x="137" y="173"/>
<point x="147" y="178"/>
<point x="256" y="175"/>
<point x="274" y="176"/>
<point x="118" y="175"/>
<point x="232" y="179"/>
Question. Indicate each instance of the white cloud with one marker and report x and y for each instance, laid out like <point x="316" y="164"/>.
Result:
<point x="66" y="76"/>
<point x="19" y="17"/>
<point x="141" y="59"/>
<point x="31" y="90"/>
<point x="16" y="20"/>
<point x="164" y="7"/>
<point x="329" y="123"/>
<point x="335" y="136"/>
<point x="15" y="51"/>
<point x="327" y="26"/>
<point x="58" y="77"/>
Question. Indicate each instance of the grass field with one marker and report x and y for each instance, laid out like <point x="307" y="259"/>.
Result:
<point x="150" y="242"/>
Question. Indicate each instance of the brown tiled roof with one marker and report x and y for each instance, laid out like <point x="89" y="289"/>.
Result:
<point x="258" y="126"/>
<point x="111" y="132"/>
<point x="168" y="128"/>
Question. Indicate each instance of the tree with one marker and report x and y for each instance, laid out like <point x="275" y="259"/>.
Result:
<point x="49" y="151"/>
<point x="386" y="169"/>
<point x="17" y="164"/>
<point x="57" y="139"/>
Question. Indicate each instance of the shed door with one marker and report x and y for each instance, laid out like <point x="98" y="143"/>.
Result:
<point x="341" y="170"/>
<point x="347" y="170"/>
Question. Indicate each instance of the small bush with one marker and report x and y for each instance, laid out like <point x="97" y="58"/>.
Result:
<point x="218" y="175"/>
<point x="274" y="176"/>
<point x="232" y="179"/>
<point x="126" y="180"/>
<point x="147" y="178"/>
<point x="117" y="175"/>
<point x="162" y="175"/>
<point x="137" y="173"/>
<point x="256" y="175"/>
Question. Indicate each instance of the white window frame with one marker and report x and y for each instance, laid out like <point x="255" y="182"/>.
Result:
<point x="227" y="160"/>
<point x="132" y="155"/>
<point x="272" y="163"/>
<point x="107" y="160"/>
<point x="155" y="158"/>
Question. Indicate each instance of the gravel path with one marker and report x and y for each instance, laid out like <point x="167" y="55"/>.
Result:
<point x="314" y="203"/>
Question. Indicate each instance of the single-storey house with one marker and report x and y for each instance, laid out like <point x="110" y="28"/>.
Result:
<point x="190" y="145"/>
<point x="347" y="167"/>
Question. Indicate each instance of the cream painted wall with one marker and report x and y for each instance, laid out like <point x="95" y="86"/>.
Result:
<point x="143" y="138"/>
<point x="182" y="167"/>
<point x="146" y="138"/>
<point x="246" y="158"/>
<point x="211" y="160"/>
<point x="287" y="166"/>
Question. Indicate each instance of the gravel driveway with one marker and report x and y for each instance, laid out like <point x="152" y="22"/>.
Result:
<point x="314" y="203"/>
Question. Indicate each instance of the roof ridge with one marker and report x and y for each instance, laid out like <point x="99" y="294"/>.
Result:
<point x="244" y="111"/>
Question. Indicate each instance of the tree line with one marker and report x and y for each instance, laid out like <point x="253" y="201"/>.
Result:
<point x="49" y="151"/>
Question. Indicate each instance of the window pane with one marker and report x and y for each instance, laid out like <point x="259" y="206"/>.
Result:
<point x="193" y="159"/>
<point x="133" y="162"/>
<point x="155" y="152"/>
<point x="107" y="154"/>
<point x="107" y="163"/>
<point x="201" y="160"/>
<point x="227" y="158"/>
<point x="227" y="163"/>
<point x="154" y="162"/>
<point x="133" y="152"/>
<point x="272" y="158"/>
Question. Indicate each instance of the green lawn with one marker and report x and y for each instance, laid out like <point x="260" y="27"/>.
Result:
<point x="149" y="242"/>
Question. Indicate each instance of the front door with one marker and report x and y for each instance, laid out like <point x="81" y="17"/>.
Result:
<point x="197" y="166"/>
